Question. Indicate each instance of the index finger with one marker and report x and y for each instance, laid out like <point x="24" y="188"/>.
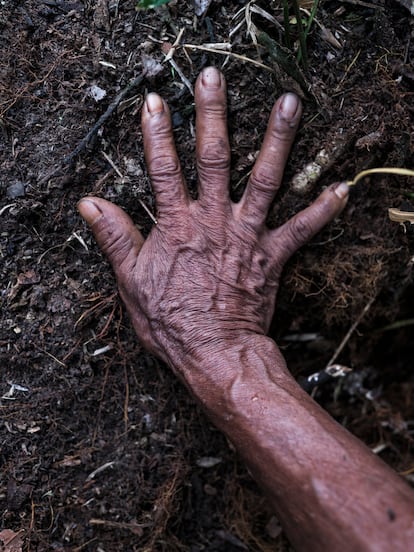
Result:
<point x="268" y="170"/>
<point x="161" y="157"/>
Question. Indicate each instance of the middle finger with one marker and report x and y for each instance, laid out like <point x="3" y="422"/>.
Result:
<point x="212" y="145"/>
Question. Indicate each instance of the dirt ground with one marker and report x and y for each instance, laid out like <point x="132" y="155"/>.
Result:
<point x="101" y="449"/>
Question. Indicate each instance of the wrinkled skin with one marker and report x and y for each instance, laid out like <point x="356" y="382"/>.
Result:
<point x="208" y="273"/>
<point x="201" y="290"/>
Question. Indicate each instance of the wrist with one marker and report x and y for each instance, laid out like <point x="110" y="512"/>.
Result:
<point x="218" y="372"/>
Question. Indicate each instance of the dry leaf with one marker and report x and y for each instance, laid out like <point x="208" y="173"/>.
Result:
<point x="151" y="66"/>
<point x="11" y="541"/>
<point x="201" y="6"/>
<point x="409" y="4"/>
<point x="306" y="4"/>
<point x="28" y="278"/>
<point x="101" y="15"/>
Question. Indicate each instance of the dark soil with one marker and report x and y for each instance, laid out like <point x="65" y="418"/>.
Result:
<point x="104" y="450"/>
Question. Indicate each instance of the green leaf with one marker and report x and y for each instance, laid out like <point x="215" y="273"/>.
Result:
<point x="148" y="4"/>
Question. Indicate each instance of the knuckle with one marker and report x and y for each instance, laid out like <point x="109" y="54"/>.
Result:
<point x="165" y="166"/>
<point x="282" y="133"/>
<point x="263" y="181"/>
<point x="115" y="244"/>
<point x="300" y="230"/>
<point x="214" y="110"/>
<point x="214" y="154"/>
<point x="160" y="126"/>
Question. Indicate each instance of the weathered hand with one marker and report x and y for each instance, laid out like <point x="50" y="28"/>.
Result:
<point x="208" y="273"/>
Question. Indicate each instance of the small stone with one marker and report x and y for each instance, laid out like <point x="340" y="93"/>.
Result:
<point x="16" y="190"/>
<point x="210" y="490"/>
<point x="273" y="528"/>
<point x="177" y="120"/>
<point x="133" y="167"/>
<point x="208" y="462"/>
<point x="97" y="93"/>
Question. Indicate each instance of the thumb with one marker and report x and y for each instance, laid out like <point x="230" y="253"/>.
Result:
<point x="114" y="232"/>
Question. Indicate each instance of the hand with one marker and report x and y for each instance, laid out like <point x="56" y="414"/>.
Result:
<point x="208" y="273"/>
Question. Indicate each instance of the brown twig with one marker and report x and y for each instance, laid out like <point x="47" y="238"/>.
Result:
<point x="350" y="332"/>
<point x="135" y="528"/>
<point x="69" y="159"/>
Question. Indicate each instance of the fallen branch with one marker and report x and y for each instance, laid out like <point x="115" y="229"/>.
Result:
<point x="69" y="159"/>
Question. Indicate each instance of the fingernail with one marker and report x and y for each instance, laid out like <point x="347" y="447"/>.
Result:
<point x="289" y="106"/>
<point x="342" y="190"/>
<point x="154" y="103"/>
<point x="89" y="211"/>
<point x="211" y="78"/>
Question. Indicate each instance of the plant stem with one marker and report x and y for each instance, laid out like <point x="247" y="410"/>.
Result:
<point x="286" y="23"/>
<point x="311" y="17"/>
<point x="383" y="170"/>
<point x="301" y="32"/>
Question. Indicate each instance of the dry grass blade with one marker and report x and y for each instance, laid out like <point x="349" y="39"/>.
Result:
<point x="207" y="48"/>
<point x="396" y="215"/>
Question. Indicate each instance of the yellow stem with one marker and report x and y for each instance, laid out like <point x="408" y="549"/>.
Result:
<point x="385" y="170"/>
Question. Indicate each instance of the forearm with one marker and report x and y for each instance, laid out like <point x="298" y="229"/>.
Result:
<point x="326" y="487"/>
